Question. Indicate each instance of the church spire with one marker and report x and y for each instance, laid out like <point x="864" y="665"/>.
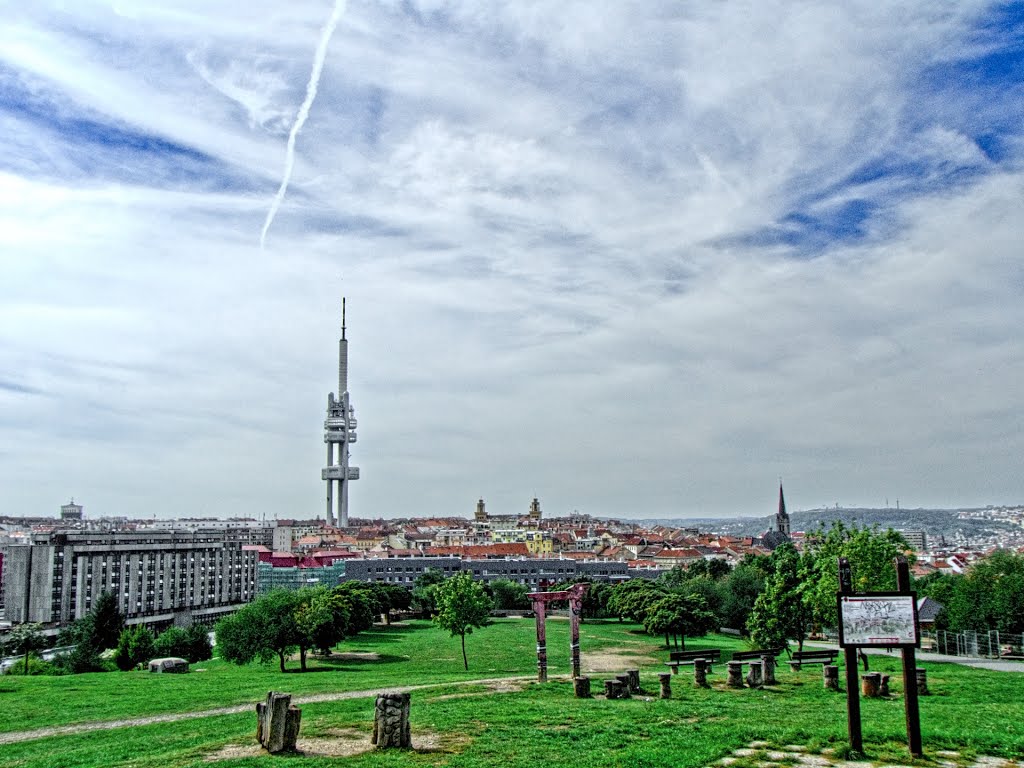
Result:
<point x="782" y="517"/>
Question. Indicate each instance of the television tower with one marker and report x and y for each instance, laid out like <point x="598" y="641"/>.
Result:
<point x="340" y="431"/>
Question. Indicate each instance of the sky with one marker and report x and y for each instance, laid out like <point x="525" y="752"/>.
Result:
<point x="635" y="259"/>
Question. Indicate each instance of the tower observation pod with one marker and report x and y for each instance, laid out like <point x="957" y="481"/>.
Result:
<point x="339" y="433"/>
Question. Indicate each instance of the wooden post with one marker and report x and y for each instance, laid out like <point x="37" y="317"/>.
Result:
<point x="870" y="683"/>
<point x="665" y="678"/>
<point x="850" y="662"/>
<point x="634" y="680"/>
<point x="613" y="689"/>
<point x="755" y="674"/>
<point x="922" y="682"/>
<point x="391" y="721"/>
<point x="700" y="672"/>
<point x="581" y="687"/>
<point x="735" y="669"/>
<point x="909" y="672"/>
<point x="769" y="669"/>
<point x="277" y="723"/>
<point x="539" y="610"/>
<point x="830" y="677"/>
<point x="624" y="679"/>
<point x="883" y="686"/>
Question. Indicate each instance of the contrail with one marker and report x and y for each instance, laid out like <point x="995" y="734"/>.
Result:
<point x="303" y="113"/>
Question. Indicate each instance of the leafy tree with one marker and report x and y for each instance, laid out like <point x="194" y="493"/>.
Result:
<point x="198" y="647"/>
<point x="394" y="598"/>
<point x="107" y="621"/>
<point x="260" y="630"/>
<point x="24" y="639"/>
<point x="424" y="593"/>
<point x="738" y="592"/>
<point x="135" y="646"/>
<point x="988" y="596"/>
<point x="631" y="599"/>
<point x="320" y="618"/>
<point x="870" y="552"/>
<point x="676" y="615"/>
<point x="462" y="605"/>
<point x="173" y="641"/>
<point x="714" y="569"/>
<point x="95" y="632"/>
<point x="509" y="595"/>
<point x="779" y="612"/>
<point x="359" y="604"/>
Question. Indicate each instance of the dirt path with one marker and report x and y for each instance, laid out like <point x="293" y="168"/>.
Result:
<point x="67" y="730"/>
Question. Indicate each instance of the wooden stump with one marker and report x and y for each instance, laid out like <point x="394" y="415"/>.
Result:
<point x="922" y="682"/>
<point x="613" y="689"/>
<point x="624" y="679"/>
<point x="277" y="723"/>
<point x="883" y="686"/>
<point x="755" y="674"/>
<point x="634" y="680"/>
<point x="665" y="678"/>
<point x="581" y="687"/>
<point x="830" y="677"/>
<point x="769" y="669"/>
<point x="735" y="679"/>
<point x="869" y="684"/>
<point x="700" y="673"/>
<point x="391" y="721"/>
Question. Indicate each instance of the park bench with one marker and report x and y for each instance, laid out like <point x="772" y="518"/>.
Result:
<point x="755" y="655"/>
<point x="684" y="658"/>
<point x="813" y="657"/>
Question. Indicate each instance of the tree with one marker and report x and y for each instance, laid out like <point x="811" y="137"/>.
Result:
<point x="173" y="641"/>
<point x="359" y="604"/>
<point x="987" y="597"/>
<point x="321" y="618"/>
<point x="509" y="595"/>
<point x="678" y="615"/>
<point x="739" y="590"/>
<point x="134" y="647"/>
<point x="393" y="597"/>
<point x="95" y="632"/>
<point x="197" y="646"/>
<point x="260" y="630"/>
<point x="424" y="592"/>
<point x="107" y="621"/>
<point x="631" y="599"/>
<point x="24" y="639"/>
<point x="780" y="612"/>
<point x="870" y="552"/>
<point x="462" y="605"/>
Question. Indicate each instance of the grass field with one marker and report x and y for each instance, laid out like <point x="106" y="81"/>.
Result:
<point x="469" y="726"/>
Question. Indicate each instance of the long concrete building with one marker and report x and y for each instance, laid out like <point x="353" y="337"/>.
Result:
<point x="158" y="577"/>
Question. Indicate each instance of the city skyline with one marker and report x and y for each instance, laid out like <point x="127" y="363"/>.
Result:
<point x="637" y="261"/>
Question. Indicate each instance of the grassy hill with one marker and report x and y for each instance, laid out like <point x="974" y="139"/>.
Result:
<point x="507" y="722"/>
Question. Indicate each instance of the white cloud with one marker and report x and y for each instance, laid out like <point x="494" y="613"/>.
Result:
<point x="545" y="218"/>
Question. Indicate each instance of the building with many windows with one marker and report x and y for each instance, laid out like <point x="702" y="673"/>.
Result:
<point x="157" y="577"/>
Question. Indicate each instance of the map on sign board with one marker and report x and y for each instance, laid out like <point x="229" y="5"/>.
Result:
<point x="885" y="620"/>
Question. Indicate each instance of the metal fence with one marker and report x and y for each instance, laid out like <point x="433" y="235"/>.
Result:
<point x="989" y="645"/>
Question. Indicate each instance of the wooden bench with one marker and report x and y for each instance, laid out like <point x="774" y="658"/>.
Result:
<point x="755" y="655"/>
<point x="813" y="657"/>
<point x="685" y="658"/>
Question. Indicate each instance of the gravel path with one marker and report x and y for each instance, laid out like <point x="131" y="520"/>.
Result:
<point x="67" y="730"/>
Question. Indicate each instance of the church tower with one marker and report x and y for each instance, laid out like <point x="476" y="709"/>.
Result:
<point x="782" y="517"/>
<point x="340" y="431"/>
<point x="481" y="512"/>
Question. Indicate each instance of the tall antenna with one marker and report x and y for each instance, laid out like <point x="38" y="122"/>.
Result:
<point x="342" y="317"/>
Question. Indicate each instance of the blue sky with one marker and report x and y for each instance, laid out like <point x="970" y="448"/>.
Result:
<point x="635" y="259"/>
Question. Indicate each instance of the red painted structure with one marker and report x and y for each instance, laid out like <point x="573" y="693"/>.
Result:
<point x="540" y="600"/>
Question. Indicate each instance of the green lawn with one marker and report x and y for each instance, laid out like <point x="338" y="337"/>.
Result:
<point x="974" y="711"/>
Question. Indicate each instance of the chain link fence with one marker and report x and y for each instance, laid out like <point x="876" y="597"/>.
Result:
<point x="988" y="645"/>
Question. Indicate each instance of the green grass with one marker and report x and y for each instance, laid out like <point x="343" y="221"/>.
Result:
<point x="973" y="711"/>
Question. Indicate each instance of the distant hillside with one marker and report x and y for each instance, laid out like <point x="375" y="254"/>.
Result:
<point x="936" y="523"/>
